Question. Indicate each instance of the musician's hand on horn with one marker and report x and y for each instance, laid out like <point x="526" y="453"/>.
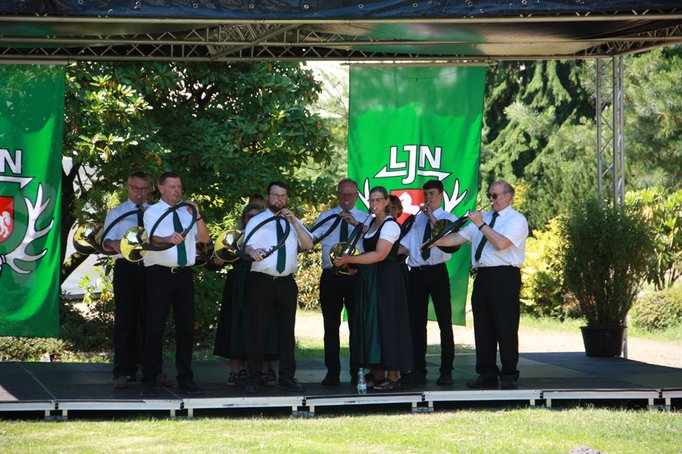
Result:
<point x="348" y="217"/>
<point x="257" y="254"/>
<point x="476" y="217"/>
<point x="345" y="259"/>
<point x="286" y="213"/>
<point x="175" y="238"/>
<point x="189" y="208"/>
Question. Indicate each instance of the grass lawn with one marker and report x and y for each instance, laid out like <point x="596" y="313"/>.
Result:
<point x="498" y="431"/>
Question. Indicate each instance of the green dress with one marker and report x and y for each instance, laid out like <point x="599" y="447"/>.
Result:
<point x="382" y="336"/>
<point x="234" y="321"/>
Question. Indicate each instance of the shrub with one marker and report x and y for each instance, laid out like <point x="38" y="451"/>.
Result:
<point x="605" y="259"/>
<point x="658" y="310"/>
<point x="31" y="348"/>
<point x="664" y="213"/>
<point x="310" y="267"/>
<point x="542" y="294"/>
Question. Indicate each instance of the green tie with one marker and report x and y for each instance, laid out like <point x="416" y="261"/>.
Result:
<point x="140" y="218"/>
<point x="343" y="236"/>
<point x="479" y="249"/>
<point x="182" y="252"/>
<point x="426" y="252"/>
<point x="281" y="252"/>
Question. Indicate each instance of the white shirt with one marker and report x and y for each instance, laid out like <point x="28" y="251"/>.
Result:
<point x="335" y="237"/>
<point x="509" y="223"/>
<point x="389" y="232"/>
<point x="122" y="226"/>
<point x="169" y="257"/>
<point x="415" y="238"/>
<point x="265" y="238"/>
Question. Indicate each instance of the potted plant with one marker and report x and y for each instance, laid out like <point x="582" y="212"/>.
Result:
<point x="605" y="260"/>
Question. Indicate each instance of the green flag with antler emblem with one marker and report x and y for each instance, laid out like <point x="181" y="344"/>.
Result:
<point x="408" y="125"/>
<point x="31" y="119"/>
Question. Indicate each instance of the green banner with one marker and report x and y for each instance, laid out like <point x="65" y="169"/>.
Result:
<point x="31" y="119"/>
<point x="408" y="125"/>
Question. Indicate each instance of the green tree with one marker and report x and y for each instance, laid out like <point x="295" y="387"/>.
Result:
<point x="653" y="120"/>
<point x="536" y="123"/>
<point x="227" y="129"/>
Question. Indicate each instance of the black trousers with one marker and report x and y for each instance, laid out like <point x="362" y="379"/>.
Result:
<point x="279" y="296"/>
<point x="336" y="291"/>
<point x="166" y="289"/>
<point x="431" y="281"/>
<point x="496" y="308"/>
<point x="130" y="301"/>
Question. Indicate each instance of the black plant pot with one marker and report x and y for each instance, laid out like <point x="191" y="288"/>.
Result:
<point x="603" y="342"/>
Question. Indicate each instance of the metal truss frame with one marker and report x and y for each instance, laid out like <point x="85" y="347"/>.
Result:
<point x="609" y="121"/>
<point x="206" y="40"/>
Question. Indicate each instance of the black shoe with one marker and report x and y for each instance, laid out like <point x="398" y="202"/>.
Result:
<point x="445" y="379"/>
<point x="148" y="389"/>
<point x="413" y="378"/>
<point x="252" y="387"/>
<point x="331" y="380"/>
<point x="189" y="387"/>
<point x="120" y="382"/>
<point x="508" y="383"/>
<point x="483" y="383"/>
<point x="290" y="384"/>
<point x="162" y="380"/>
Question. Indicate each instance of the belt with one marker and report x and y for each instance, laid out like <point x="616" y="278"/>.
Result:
<point x="483" y="269"/>
<point x="425" y="267"/>
<point x="139" y="263"/>
<point x="273" y="278"/>
<point x="170" y="269"/>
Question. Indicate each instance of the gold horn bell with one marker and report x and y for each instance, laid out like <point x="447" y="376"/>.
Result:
<point x="338" y="250"/>
<point x="227" y="245"/>
<point x="438" y="227"/>
<point x="132" y="244"/>
<point x="86" y="238"/>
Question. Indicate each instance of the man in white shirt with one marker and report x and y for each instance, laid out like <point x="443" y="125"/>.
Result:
<point x="130" y="282"/>
<point x="337" y="290"/>
<point x="170" y="283"/>
<point x="498" y="239"/>
<point x="429" y="278"/>
<point x="273" y="287"/>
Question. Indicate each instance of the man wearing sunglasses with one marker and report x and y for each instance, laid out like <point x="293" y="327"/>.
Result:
<point x="498" y="239"/>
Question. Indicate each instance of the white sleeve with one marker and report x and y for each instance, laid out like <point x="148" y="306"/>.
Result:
<point x="390" y="232"/>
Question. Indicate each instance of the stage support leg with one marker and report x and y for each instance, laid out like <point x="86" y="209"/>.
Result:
<point x="422" y="407"/>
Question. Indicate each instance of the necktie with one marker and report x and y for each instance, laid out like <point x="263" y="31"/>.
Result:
<point x="281" y="252"/>
<point x="426" y="253"/>
<point x="479" y="249"/>
<point x="182" y="252"/>
<point x="140" y="216"/>
<point x="343" y="234"/>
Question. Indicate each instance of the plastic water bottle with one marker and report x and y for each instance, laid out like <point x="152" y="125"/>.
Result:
<point x="362" y="384"/>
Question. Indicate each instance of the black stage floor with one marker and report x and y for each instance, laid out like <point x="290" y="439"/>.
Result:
<point x="56" y="389"/>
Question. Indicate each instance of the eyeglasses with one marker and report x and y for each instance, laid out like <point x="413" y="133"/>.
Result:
<point x="138" y="189"/>
<point x="377" y="199"/>
<point x="494" y="196"/>
<point x="277" y="196"/>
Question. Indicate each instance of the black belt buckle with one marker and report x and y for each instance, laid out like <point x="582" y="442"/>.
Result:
<point x="175" y="269"/>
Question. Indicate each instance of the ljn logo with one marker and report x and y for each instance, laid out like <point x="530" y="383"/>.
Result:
<point x="411" y="162"/>
<point x="417" y="157"/>
<point x="17" y="258"/>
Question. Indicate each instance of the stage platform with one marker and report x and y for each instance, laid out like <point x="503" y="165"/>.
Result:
<point x="57" y="390"/>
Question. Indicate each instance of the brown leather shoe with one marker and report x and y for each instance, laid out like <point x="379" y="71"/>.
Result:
<point x="120" y="382"/>
<point x="162" y="380"/>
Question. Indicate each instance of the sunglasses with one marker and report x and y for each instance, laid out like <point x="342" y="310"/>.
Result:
<point x="492" y="195"/>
